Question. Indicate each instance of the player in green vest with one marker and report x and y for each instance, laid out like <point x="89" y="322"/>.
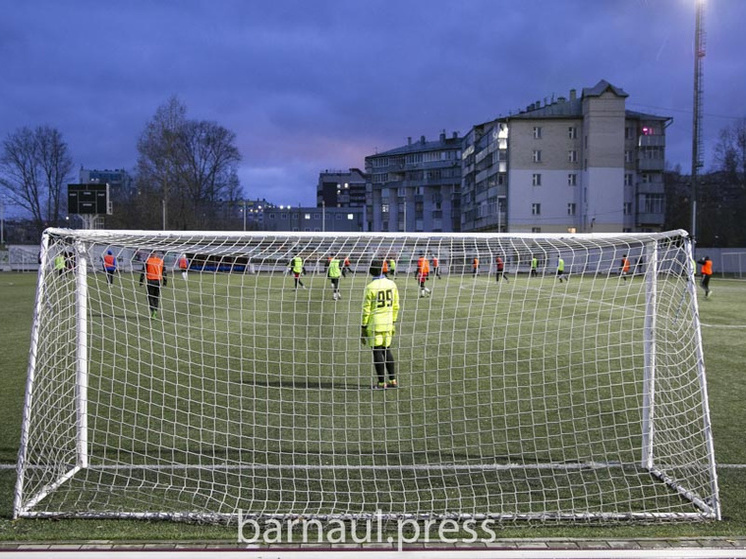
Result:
<point x="561" y="275"/>
<point x="380" y="312"/>
<point x="59" y="264"/>
<point x="296" y="266"/>
<point x="333" y="272"/>
<point x="534" y="266"/>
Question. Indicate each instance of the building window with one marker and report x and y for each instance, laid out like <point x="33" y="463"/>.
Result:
<point x="653" y="204"/>
<point x="350" y="217"/>
<point x="307" y="216"/>
<point x="571" y="208"/>
<point x="537" y="132"/>
<point x="572" y="179"/>
<point x="537" y="156"/>
<point x="572" y="133"/>
<point x="536" y="229"/>
<point x="535" y="209"/>
<point x="536" y="179"/>
<point x="628" y="208"/>
<point x="629" y="133"/>
<point x="628" y="156"/>
<point x="384" y="208"/>
<point x="628" y="179"/>
<point x="645" y="178"/>
<point x="572" y="156"/>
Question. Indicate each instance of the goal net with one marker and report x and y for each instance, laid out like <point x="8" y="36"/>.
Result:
<point x="238" y="387"/>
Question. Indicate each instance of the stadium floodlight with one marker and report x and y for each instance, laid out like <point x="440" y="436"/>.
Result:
<point x="531" y="399"/>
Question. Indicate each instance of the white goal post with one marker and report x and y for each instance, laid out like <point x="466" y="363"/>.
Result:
<point x="238" y="387"/>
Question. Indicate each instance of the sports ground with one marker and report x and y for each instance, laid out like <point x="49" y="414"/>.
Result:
<point x="344" y="393"/>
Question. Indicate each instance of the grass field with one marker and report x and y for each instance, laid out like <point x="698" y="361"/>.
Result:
<point x="351" y="425"/>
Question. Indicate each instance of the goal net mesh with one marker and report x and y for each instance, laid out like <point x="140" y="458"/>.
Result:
<point x="526" y="395"/>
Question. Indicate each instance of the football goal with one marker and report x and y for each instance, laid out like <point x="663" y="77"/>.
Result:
<point x="199" y="375"/>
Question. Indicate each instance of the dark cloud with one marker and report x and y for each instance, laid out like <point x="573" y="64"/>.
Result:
<point x="308" y="86"/>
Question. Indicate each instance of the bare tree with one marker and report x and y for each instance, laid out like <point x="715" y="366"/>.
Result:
<point x="730" y="152"/>
<point x="34" y="167"/>
<point x="186" y="169"/>
<point x="158" y="163"/>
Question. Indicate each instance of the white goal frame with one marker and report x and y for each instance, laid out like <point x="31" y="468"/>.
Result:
<point x="661" y="288"/>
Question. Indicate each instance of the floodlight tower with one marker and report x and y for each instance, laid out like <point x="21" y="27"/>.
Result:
<point x="699" y="55"/>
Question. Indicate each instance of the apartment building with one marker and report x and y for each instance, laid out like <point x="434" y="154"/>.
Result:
<point x="578" y="164"/>
<point x="314" y="219"/>
<point x="415" y="187"/>
<point x="341" y="189"/>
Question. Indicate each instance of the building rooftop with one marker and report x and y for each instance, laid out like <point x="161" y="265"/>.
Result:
<point x="453" y="142"/>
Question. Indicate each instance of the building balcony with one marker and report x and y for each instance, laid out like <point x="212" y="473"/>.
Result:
<point x="650" y="165"/>
<point x="650" y="219"/>
<point x="650" y="188"/>
<point x="651" y="141"/>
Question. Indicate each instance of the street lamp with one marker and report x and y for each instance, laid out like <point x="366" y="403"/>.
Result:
<point x="699" y="54"/>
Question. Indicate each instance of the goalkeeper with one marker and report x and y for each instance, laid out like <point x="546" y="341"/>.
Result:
<point x="153" y="271"/>
<point x="380" y="311"/>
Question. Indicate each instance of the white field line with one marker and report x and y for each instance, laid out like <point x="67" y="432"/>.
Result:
<point x="361" y="467"/>
<point x="254" y="551"/>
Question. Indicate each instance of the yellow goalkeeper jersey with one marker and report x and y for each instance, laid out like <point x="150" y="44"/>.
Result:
<point x="380" y="305"/>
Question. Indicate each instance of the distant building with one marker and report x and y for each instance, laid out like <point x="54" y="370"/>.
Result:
<point x="583" y="164"/>
<point x="341" y="189"/>
<point x="250" y="213"/>
<point x="415" y="187"/>
<point x="120" y="182"/>
<point x="286" y="218"/>
<point x="121" y="188"/>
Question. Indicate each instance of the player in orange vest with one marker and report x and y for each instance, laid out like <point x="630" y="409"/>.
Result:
<point x="183" y="265"/>
<point x="475" y="266"/>
<point x="624" y="270"/>
<point x="500" y="269"/>
<point x="154" y="273"/>
<point x="423" y="271"/>
<point x="110" y="266"/>
<point x="706" y="272"/>
<point x="436" y="267"/>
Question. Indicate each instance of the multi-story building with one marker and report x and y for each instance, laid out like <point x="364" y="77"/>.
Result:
<point x="341" y="189"/>
<point x="121" y="188"/>
<point x="248" y="213"/>
<point x="119" y="181"/>
<point x="286" y="218"/>
<point x="581" y="164"/>
<point x="415" y="187"/>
